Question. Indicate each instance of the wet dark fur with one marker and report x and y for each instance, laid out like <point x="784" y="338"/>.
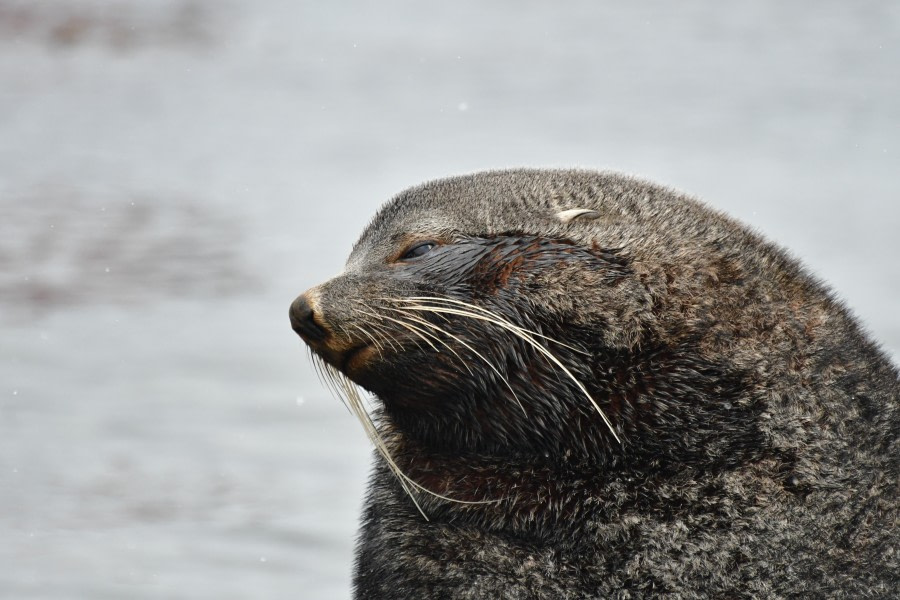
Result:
<point x="759" y="425"/>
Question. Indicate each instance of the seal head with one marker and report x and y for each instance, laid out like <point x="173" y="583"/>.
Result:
<point x="604" y="376"/>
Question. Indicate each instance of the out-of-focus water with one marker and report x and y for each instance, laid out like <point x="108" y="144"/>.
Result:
<point x="174" y="172"/>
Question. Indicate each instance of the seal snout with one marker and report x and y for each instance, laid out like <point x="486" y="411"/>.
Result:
<point x="303" y="320"/>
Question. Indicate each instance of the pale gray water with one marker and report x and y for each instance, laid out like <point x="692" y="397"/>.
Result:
<point x="174" y="172"/>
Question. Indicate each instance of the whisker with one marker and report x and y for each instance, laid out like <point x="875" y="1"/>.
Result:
<point x="324" y="373"/>
<point x="375" y="321"/>
<point x="387" y="336"/>
<point x="413" y="329"/>
<point x="348" y="389"/>
<point x="502" y="377"/>
<point x="371" y="338"/>
<point x="490" y="314"/>
<point x="426" y="323"/>
<point x="340" y="386"/>
<point x="519" y="332"/>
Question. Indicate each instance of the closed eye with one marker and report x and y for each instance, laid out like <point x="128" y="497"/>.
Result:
<point x="418" y="250"/>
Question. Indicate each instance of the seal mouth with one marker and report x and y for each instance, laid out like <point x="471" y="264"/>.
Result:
<point x="354" y="357"/>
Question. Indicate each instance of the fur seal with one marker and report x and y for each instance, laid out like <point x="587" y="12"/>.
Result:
<point x="591" y="386"/>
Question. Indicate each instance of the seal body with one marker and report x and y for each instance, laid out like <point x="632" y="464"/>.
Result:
<point x="591" y="386"/>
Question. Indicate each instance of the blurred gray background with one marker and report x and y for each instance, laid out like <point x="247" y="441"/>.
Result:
<point x="174" y="172"/>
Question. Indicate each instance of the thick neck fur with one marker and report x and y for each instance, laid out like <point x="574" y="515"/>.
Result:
<point x="677" y="416"/>
<point x="558" y="497"/>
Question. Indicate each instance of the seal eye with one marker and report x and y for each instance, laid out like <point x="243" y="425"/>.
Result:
<point x="418" y="250"/>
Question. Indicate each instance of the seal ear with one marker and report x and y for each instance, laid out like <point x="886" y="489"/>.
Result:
<point x="583" y="214"/>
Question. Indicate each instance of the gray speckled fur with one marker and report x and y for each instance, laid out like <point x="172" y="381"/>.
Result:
<point x="791" y="490"/>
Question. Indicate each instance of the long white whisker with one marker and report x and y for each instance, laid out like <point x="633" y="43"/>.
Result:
<point x="487" y="313"/>
<point x="348" y="393"/>
<point x="375" y="343"/>
<point x="375" y="321"/>
<point x="479" y="355"/>
<point x="387" y="336"/>
<point x="413" y="329"/>
<point x="522" y="334"/>
<point x="428" y="324"/>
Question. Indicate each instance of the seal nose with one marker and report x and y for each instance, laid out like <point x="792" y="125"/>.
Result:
<point x="303" y="320"/>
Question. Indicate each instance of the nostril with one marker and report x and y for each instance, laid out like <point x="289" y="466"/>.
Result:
<point x="303" y="320"/>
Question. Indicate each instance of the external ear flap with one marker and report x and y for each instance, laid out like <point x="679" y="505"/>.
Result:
<point x="583" y="214"/>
